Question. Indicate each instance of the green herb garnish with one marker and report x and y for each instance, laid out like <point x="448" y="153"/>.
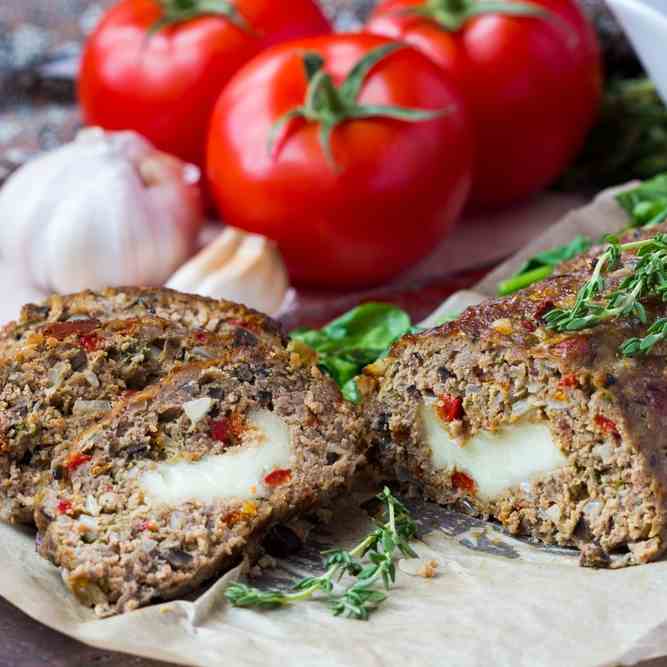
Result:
<point x="647" y="203"/>
<point x="543" y="264"/>
<point x="354" y="340"/>
<point x="359" y="599"/>
<point x="646" y="206"/>
<point x="648" y="279"/>
<point x="656" y="334"/>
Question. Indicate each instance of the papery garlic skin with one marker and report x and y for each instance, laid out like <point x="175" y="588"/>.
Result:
<point x="106" y="210"/>
<point x="237" y="266"/>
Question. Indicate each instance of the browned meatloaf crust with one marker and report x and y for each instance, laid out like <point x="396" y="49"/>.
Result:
<point x="584" y="262"/>
<point x="64" y="376"/>
<point x="195" y="312"/>
<point x="118" y="549"/>
<point x="498" y="365"/>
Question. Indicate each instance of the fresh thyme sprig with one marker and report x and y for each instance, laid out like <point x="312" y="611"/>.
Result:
<point x="656" y="334"/>
<point x="647" y="279"/>
<point x="360" y="598"/>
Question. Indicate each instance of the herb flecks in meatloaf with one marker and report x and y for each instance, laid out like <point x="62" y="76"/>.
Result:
<point x="192" y="311"/>
<point x="128" y="524"/>
<point x="557" y="436"/>
<point x="65" y="375"/>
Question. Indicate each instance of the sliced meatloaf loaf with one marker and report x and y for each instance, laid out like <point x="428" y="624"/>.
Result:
<point x="182" y="480"/>
<point x="65" y="375"/>
<point x="131" y="302"/>
<point x="556" y="436"/>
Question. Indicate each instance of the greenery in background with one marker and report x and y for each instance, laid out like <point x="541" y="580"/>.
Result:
<point x="371" y="562"/>
<point x="646" y="205"/>
<point x="629" y="141"/>
<point x="354" y="340"/>
<point x="543" y="264"/>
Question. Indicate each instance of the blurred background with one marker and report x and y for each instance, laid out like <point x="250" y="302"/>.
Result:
<point x="40" y="42"/>
<point x="40" y="48"/>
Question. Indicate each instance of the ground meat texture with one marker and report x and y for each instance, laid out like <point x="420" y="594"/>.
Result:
<point x="486" y="373"/>
<point x="66" y="375"/>
<point x="120" y="548"/>
<point x="195" y="312"/>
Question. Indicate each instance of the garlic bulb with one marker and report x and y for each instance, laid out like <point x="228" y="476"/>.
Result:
<point x="240" y="267"/>
<point x="105" y="210"/>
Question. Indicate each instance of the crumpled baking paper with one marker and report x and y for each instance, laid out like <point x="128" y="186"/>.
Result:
<point x="496" y="601"/>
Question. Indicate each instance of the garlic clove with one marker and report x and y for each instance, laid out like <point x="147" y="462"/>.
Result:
<point x="240" y="267"/>
<point x="212" y="257"/>
<point x="104" y="210"/>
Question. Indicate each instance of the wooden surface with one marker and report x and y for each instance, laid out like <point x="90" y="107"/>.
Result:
<point x="25" y="643"/>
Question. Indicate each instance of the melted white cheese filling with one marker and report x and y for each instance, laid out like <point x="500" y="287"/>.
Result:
<point x="495" y="461"/>
<point x="238" y="473"/>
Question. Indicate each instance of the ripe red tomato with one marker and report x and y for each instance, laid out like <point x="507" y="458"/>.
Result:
<point x="389" y="190"/>
<point x="164" y="84"/>
<point x="533" y="84"/>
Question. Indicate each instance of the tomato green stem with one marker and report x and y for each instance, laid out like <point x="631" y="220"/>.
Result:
<point x="182" y="11"/>
<point x="329" y="105"/>
<point x="452" y="15"/>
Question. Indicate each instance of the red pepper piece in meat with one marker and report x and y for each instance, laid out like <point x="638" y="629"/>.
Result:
<point x="278" y="477"/>
<point x="64" y="507"/>
<point x="220" y="430"/>
<point x="61" y="330"/>
<point x="201" y="336"/>
<point x="607" y="425"/>
<point x="450" y="408"/>
<point x="77" y="459"/>
<point x="223" y="430"/>
<point x="461" y="482"/>
<point x="569" y="381"/>
<point x="90" y="342"/>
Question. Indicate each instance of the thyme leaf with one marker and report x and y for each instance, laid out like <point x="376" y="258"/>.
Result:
<point x="371" y="562"/>
<point x="648" y="278"/>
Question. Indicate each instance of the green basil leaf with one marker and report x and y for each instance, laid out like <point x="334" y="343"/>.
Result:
<point x="310" y="337"/>
<point x="647" y="203"/>
<point x="369" y="326"/>
<point x="350" y="391"/>
<point x="340" y="369"/>
<point x="555" y="256"/>
<point x="354" y="340"/>
<point x="543" y="264"/>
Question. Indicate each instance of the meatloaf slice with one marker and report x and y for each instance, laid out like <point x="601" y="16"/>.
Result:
<point x="188" y="310"/>
<point x="556" y="436"/>
<point x="65" y="376"/>
<point x="182" y="480"/>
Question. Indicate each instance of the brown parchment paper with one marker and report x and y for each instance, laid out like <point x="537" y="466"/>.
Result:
<point x="496" y="601"/>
